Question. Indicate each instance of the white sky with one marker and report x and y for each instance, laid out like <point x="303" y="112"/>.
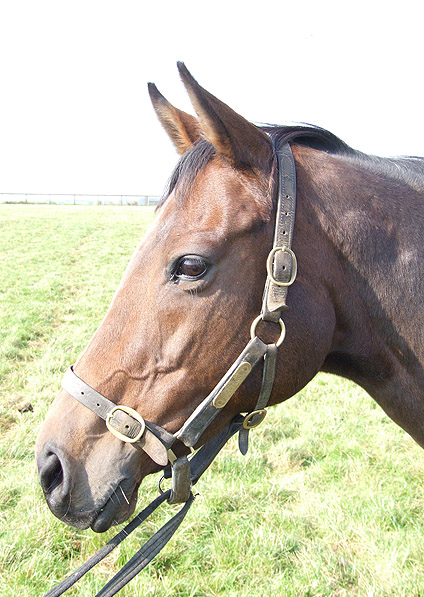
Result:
<point x="75" y="116"/>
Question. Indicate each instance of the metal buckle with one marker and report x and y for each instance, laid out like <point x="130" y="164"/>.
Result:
<point x="261" y="413"/>
<point x="282" y="326"/>
<point x="134" y="414"/>
<point x="270" y="263"/>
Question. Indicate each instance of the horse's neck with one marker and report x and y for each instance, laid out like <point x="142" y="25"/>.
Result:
<point x="375" y="226"/>
<point x="377" y="229"/>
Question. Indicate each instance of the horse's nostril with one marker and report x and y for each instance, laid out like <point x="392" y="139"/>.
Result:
<point x="55" y="476"/>
<point x="50" y="472"/>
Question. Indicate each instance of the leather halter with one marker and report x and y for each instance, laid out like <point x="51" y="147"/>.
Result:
<point x="128" y="425"/>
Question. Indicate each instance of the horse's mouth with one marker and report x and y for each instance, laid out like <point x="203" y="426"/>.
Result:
<point x="119" y="506"/>
<point x="117" y="509"/>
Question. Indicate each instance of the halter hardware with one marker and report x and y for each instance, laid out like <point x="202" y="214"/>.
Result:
<point x="260" y="318"/>
<point x="232" y="384"/>
<point x="270" y="266"/>
<point x="250" y="421"/>
<point x="134" y="414"/>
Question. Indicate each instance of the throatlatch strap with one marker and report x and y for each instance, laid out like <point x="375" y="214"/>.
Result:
<point x="257" y="415"/>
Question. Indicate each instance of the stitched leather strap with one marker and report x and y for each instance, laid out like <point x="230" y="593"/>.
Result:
<point x="268" y="377"/>
<point x="274" y="298"/>
<point x="181" y="482"/>
<point x="155" y="440"/>
<point x="206" y="412"/>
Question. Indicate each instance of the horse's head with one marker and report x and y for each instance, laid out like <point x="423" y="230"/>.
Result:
<point x="180" y="317"/>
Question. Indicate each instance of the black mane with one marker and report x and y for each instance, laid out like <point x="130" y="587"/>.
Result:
<point x="308" y="135"/>
<point x="199" y="155"/>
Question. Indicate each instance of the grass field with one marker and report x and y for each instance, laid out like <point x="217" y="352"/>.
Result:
<point x="329" y="500"/>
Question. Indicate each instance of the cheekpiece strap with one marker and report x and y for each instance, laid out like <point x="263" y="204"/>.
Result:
<point x="281" y="263"/>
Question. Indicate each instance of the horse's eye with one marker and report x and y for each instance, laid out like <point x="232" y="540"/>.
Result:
<point x="191" y="267"/>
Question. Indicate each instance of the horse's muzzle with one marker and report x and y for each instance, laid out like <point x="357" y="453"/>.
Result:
<point x="82" y="511"/>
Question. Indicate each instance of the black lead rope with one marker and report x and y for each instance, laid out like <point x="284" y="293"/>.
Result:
<point x="200" y="462"/>
<point x="146" y="554"/>
<point x="139" y="560"/>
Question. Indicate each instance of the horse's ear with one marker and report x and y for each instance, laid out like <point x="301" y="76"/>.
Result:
<point x="234" y="137"/>
<point x="182" y="128"/>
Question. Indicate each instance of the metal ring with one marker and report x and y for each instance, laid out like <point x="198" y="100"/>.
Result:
<point x="135" y="415"/>
<point x="160" y="484"/>
<point x="270" y="263"/>
<point x="282" y="326"/>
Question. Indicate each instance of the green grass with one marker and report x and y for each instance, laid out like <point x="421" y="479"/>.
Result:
<point x="328" y="501"/>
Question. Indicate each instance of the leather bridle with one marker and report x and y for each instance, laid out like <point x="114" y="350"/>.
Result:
<point x="129" y="426"/>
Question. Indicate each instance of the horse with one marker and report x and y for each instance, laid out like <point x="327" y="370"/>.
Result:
<point x="182" y="312"/>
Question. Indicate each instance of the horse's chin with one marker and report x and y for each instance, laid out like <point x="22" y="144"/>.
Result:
<point x="111" y="514"/>
<point x="116" y="510"/>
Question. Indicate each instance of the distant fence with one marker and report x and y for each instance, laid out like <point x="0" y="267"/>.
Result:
<point x="77" y="199"/>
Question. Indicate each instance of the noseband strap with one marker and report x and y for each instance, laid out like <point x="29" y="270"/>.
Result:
<point x="128" y="425"/>
<point x="125" y="423"/>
